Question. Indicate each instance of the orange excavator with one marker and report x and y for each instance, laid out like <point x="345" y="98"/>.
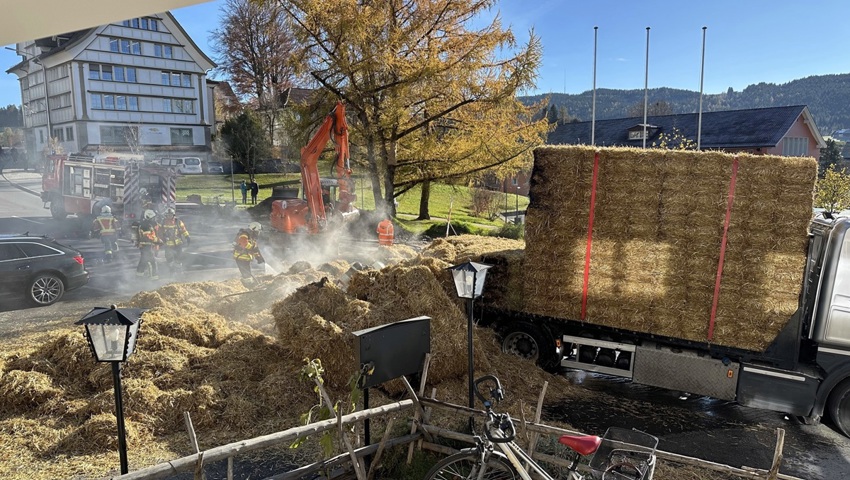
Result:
<point x="324" y="200"/>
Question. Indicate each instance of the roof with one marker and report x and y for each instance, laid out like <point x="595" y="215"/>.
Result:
<point x="751" y="128"/>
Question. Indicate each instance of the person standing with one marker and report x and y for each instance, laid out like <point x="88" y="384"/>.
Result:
<point x="246" y="249"/>
<point x="106" y="225"/>
<point x="173" y="234"/>
<point x="244" y="188"/>
<point x="148" y="242"/>
<point x="255" y="189"/>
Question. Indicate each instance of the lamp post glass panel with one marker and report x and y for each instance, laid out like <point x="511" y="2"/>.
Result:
<point x="112" y="334"/>
<point x="469" y="283"/>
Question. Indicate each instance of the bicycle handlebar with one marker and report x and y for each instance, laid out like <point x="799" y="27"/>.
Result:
<point x="505" y="425"/>
<point x="496" y="394"/>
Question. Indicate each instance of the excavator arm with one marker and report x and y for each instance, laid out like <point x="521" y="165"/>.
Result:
<point x="333" y="128"/>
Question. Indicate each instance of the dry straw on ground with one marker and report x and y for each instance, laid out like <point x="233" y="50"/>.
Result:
<point x="199" y="352"/>
<point x="658" y="225"/>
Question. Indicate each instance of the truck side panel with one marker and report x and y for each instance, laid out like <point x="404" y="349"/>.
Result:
<point x="686" y="371"/>
<point x="778" y="390"/>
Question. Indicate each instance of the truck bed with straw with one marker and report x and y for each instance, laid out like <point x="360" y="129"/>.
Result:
<point x="702" y="246"/>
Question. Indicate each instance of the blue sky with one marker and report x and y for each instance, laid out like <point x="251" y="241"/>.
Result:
<point x="747" y="41"/>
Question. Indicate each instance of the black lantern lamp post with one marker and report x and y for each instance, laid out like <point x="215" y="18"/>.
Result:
<point x="112" y="335"/>
<point x="469" y="283"/>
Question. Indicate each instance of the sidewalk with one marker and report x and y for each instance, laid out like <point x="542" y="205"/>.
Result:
<point x="13" y="176"/>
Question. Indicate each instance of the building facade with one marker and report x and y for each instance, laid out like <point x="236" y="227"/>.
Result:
<point x="137" y="86"/>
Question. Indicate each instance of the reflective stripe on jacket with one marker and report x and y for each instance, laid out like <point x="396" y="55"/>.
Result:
<point x="105" y="225"/>
<point x="172" y="232"/>
<point x="245" y="248"/>
<point x="147" y="234"/>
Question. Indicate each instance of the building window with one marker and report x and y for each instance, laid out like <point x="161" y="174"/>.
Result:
<point x="142" y="23"/>
<point x="795" y="147"/>
<point x="96" y="103"/>
<point x="114" y="102"/>
<point x="179" y="105"/>
<point x="166" y="105"/>
<point x="162" y="51"/>
<point x="59" y="134"/>
<point x="41" y="136"/>
<point x="182" y="136"/>
<point x="133" y="104"/>
<point x="110" y="73"/>
<point x="120" y="102"/>
<point x="116" y="135"/>
<point x="69" y="133"/>
<point x="175" y="79"/>
<point x="130" y="47"/>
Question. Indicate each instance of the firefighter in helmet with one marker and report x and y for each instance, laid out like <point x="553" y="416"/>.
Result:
<point x="246" y="249"/>
<point x="106" y="225"/>
<point x="173" y="235"/>
<point x="148" y="242"/>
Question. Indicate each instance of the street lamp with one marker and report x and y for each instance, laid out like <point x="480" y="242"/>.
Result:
<point x="112" y="335"/>
<point x="469" y="283"/>
<point x="516" y="197"/>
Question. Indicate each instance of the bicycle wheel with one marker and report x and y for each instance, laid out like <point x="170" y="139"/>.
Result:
<point x="464" y="466"/>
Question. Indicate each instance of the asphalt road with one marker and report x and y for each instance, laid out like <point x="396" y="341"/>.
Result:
<point x="698" y="426"/>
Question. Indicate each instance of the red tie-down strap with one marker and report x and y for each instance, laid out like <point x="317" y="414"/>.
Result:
<point x="730" y="201"/>
<point x="589" y="236"/>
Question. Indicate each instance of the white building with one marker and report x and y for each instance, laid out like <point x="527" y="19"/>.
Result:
<point x="136" y="86"/>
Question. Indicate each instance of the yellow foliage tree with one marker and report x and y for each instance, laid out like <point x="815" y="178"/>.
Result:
<point x="431" y="97"/>
<point x="833" y="190"/>
<point x="674" y="140"/>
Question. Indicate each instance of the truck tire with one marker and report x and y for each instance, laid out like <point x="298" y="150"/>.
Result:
<point x="839" y="406"/>
<point x="57" y="208"/>
<point x="531" y="342"/>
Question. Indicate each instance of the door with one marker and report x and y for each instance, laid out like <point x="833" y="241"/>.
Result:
<point x="15" y="269"/>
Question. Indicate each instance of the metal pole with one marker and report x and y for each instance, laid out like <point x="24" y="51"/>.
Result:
<point x="516" y="218"/>
<point x="701" y="78"/>
<point x="593" y="106"/>
<point x="646" y="88"/>
<point x="232" y="185"/>
<point x="470" y="358"/>
<point x="119" y="414"/>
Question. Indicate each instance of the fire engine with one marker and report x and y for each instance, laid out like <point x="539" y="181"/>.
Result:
<point x="83" y="184"/>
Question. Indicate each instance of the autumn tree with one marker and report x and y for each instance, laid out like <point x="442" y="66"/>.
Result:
<point x="430" y="96"/>
<point x="254" y="45"/>
<point x="833" y="190"/>
<point x="674" y="140"/>
<point x="245" y="140"/>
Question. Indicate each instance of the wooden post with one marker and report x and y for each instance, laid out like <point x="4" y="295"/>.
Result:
<point x="416" y="414"/>
<point x="377" y="460"/>
<point x="416" y="404"/>
<point x="777" y="454"/>
<point x="193" y="440"/>
<point x="532" y="444"/>
<point x="358" y="467"/>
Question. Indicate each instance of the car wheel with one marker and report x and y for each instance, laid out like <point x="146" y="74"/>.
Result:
<point x="46" y="289"/>
<point x="839" y="406"/>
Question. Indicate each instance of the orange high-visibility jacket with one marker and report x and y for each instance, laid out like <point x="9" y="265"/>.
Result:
<point x="385" y="232"/>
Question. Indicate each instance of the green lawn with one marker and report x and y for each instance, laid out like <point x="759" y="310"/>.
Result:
<point x="443" y="197"/>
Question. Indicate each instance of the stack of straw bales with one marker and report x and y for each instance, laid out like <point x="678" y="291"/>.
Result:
<point x="658" y="226"/>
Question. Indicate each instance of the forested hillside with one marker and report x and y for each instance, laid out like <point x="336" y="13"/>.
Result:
<point x="828" y="98"/>
<point x="10" y="116"/>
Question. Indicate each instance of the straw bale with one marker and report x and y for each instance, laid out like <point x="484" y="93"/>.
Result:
<point x="335" y="268"/>
<point x="25" y="437"/>
<point x="658" y="224"/>
<point x="299" y="267"/>
<point x="97" y="434"/>
<point x="395" y="253"/>
<point x="441" y="249"/>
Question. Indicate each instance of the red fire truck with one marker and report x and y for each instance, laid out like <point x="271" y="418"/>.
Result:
<point x="83" y="184"/>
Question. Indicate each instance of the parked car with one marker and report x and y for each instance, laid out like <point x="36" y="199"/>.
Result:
<point x="184" y="165"/>
<point x="39" y="269"/>
<point x="214" y="167"/>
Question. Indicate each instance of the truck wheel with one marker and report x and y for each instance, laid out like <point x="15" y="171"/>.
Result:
<point x="839" y="406"/>
<point x="57" y="209"/>
<point x="529" y="341"/>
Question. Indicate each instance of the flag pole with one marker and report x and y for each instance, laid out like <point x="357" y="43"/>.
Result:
<point x="593" y="105"/>
<point x="646" y="88"/>
<point x="701" y="79"/>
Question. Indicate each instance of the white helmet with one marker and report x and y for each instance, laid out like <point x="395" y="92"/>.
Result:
<point x="169" y="211"/>
<point x="149" y="214"/>
<point x="143" y="191"/>
<point x="255" y="227"/>
<point x="106" y="210"/>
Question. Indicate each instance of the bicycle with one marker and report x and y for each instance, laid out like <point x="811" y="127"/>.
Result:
<point x="620" y="454"/>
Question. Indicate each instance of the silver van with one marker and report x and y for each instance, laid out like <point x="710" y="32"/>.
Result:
<point x="184" y="165"/>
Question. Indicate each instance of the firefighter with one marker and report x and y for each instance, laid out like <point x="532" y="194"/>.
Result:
<point x="106" y="226"/>
<point x="245" y="249"/>
<point x="385" y="232"/>
<point x="148" y="242"/>
<point x="173" y="234"/>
